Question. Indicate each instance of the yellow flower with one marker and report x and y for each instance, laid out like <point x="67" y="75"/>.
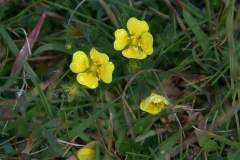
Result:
<point x="86" y="154"/>
<point x="93" y="70"/>
<point x="137" y="42"/>
<point x="153" y="104"/>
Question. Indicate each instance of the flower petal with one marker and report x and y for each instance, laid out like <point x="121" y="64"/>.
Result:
<point x="97" y="57"/>
<point x="153" y="104"/>
<point x="86" y="153"/>
<point x="121" y="39"/>
<point x="134" y="52"/>
<point x="159" y="98"/>
<point x="146" y="43"/>
<point x="153" y="108"/>
<point x="137" y="27"/>
<point x="105" y="72"/>
<point x="79" y="62"/>
<point x="88" y="79"/>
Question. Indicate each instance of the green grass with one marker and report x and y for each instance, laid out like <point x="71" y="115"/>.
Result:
<point x="195" y="65"/>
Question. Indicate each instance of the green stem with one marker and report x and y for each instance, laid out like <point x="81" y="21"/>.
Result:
<point x="209" y="15"/>
<point x="232" y="57"/>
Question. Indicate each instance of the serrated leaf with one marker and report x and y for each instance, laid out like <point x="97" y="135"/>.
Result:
<point x="206" y="142"/>
<point x="161" y="39"/>
<point x="130" y="146"/>
<point x="233" y="155"/>
<point x="52" y="140"/>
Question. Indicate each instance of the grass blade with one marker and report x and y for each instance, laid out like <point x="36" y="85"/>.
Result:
<point x="22" y="57"/>
<point x="200" y="35"/>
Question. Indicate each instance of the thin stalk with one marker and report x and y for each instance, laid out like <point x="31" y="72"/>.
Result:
<point x="209" y="15"/>
<point x="232" y="59"/>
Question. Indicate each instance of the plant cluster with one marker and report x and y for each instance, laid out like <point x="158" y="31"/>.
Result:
<point x="112" y="80"/>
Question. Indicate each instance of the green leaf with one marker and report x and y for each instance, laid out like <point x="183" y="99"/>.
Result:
<point x="22" y="102"/>
<point x="52" y="140"/>
<point x="144" y="136"/>
<point x="223" y="18"/>
<point x="194" y="10"/>
<point x="215" y="156"/>
<point x="44" y="100"/>
<point x="161" y="38"/>
<point x="87" y="122"/>
<point x="23" y="129"/>
<point x="28" y="116"/>
<point x="130" y="146"/>
<point x="121" y="136"/>
<point x="200" y="35"/>
<point x="52" y="46"/>
<point x="233" y="155"/>
<point x="167" y="145"/>
<point x="54" y="123"/>
<point x="145" y="123"/>
<point x="24" y="52"/>
<point x="206" y="142"/>
<point x="8" y="40"/>
<point x="7" y="146"/>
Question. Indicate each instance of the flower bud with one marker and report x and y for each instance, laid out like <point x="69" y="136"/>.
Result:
<point x="134" y="66"/>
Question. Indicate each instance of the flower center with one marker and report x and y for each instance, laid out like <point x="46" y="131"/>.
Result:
<point x="134" y="40"/>
<point x="155" y="106"/>
<point x="93" y="68"/>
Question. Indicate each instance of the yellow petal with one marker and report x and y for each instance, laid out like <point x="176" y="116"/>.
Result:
<point x="105" y="72"/>
<point x="137" y="27"/>
<point x="86" y="153"/>
<point x="153" y="104"/>
<point x="97" y="57"/>
<point x="146" y="43"/>
<point x="158" y="98"/>
<point x="153" y="108"/>
<point x="134" y="52"/>
<point x="79" y="62"/>
<point x="121" y="39"/>
<point x="88" y="79"/>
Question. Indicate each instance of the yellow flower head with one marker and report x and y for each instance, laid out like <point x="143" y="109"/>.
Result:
<point x="137" y="41"/>
<point x="90" y="71"/>
<point x="86" y="154"/>
<point x="153" y="104"/>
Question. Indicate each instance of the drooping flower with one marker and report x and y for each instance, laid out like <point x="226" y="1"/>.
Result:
<point x="153" y="104"/>
<point x="90" y="71"/>
<point x="86" y="154"/>
<point x="137" y="42"/>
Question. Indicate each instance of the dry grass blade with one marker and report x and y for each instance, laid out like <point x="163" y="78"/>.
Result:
<point x="109" y="13"/>
<point x="22" y="57"/>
